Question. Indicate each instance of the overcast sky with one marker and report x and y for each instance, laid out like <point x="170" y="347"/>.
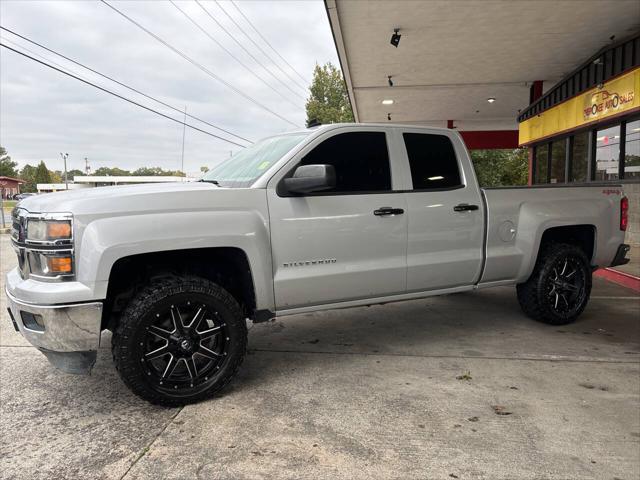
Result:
<point x="43" y="112"/>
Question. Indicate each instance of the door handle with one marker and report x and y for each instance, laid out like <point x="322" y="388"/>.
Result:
<point x="388" y="211"/>
<point x="465" y="207"/>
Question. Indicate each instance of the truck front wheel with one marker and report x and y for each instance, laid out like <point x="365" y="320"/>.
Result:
<point x="559" y="287"/>
<point x="180" y="340"/>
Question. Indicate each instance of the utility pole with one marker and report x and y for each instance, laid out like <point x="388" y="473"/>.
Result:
<point x="86" y="166"/>
<point x="66" y="181"/>
<point x="184" y="127"/>
<point x="4" y="225"/>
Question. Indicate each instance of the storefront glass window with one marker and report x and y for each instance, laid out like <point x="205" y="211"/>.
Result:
<point x="542" y="156"/>
<point x="579" y="160"/>
<point x="558" y="158"/>
<point x="632" y="150"/>
<point x="607" y="153"/>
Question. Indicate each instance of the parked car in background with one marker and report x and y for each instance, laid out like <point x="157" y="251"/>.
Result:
<point x="331" y="217"/>
<point x="22" y="196"/>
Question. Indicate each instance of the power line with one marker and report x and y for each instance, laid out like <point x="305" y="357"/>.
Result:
<point x="120" y="96"/>
<point x="116" y="81"/>
<point x="199" y="66"/>
<point x="247" y="51"/>
<point x="15" y="44"/>
<point x="267" y="42"/>
<point x="256" y="44"/>
<point x="231" y="54"/>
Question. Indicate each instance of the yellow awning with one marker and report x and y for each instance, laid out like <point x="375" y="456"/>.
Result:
<point x="618" y="96"/>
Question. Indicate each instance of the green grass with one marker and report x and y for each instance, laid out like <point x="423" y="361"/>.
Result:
<point x="8" y="204"/>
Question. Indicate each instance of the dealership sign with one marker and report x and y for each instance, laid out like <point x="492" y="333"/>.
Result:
<point x="617" y="96"/>
<point x="605" y="102"/>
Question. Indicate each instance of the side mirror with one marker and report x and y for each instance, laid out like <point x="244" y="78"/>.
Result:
<point x="311" y="178"/>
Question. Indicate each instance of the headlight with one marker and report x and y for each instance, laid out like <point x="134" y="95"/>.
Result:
<point x="48" y="230"/>
<point x="50" y="264"/>
<point x="44" y="244"/>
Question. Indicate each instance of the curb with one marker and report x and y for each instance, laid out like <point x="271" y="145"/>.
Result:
<point x="620" y="278"/>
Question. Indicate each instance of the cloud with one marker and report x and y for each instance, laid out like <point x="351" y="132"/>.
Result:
<point x="43" y="112"/>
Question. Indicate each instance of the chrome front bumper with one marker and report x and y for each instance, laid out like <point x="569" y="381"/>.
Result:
<point x="69" y="335"/>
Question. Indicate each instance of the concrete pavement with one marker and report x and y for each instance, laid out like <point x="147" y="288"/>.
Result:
<point x="462" y="386"/>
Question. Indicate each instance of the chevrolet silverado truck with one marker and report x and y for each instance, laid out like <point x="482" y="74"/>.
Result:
<point x="331" y="217"/>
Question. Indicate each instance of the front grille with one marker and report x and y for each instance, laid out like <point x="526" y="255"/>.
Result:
<point x="18" y="225"/>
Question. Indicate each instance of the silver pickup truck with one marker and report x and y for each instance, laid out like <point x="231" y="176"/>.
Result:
<point x="330" y="217"/>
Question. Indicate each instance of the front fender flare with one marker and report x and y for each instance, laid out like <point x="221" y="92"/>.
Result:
<point x="106" y="240"/>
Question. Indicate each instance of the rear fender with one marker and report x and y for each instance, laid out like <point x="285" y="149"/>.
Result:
<point x="535" y="218"/>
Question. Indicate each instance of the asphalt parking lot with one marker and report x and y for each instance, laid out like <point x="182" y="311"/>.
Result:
<point x="462" y="386"/>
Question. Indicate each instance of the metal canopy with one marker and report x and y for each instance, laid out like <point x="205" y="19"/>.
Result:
<point x="454" y="55"/>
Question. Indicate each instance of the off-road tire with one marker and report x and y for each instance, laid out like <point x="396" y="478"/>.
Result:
<point x="536" y="295"/>
<point x="132" y="332"/>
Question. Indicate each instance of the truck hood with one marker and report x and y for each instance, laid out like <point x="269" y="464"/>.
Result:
<point x="134" y="199"/>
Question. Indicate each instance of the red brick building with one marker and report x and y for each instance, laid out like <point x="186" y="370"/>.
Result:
<point x="10" y="186"/>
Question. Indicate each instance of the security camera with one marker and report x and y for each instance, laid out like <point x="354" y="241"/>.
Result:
<point x="395" y="38"/>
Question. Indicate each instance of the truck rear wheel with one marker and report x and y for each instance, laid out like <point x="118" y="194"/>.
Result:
<point x="558" y="289"/>
<point x="180" y="340"/>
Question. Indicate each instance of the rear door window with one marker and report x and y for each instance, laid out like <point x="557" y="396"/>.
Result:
<point x="433" y="161"/>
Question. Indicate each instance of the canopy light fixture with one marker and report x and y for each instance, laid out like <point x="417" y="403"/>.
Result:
<point x="389" y="80"/>
<point x="387" y="101"/>
<point x="491" y="99"/>
<point x="395" y="38"/>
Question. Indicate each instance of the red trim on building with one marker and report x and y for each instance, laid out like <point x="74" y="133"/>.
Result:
<point x="12" y="179"/>
<point x="621" y="278"/>
<point x="535" y="92"/>
<point x="10" y="186"/>
<point x="490" y="139"/>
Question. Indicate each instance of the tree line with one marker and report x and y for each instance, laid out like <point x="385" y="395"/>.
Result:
<point x="39" y="173"/>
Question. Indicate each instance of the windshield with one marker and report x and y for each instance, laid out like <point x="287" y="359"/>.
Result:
<point x="246" y="166"/>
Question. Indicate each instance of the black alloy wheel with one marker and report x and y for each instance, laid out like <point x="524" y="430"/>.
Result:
<point x="180" y="340"/>
<point x="565" y="284"/>
<point x="559" y="287"/>
<point x="185" y="344"/>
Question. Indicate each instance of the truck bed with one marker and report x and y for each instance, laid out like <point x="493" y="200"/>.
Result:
<point x="517" y="217"/>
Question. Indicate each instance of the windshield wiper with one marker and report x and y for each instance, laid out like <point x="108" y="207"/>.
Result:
<point x="215" y="182"/>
